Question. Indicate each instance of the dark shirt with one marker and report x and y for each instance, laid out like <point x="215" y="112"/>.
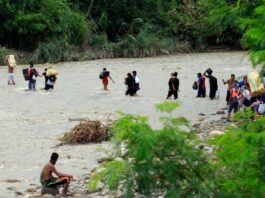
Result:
<point x="212" y="81"/>
<point x="173" y="84"/>
<point x="201" y="82"/>
<point x="130" y="82"/>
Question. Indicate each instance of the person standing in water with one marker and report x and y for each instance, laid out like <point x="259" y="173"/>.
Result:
<point x="50" y="183"/>
<point x="130" y="82"/>
<point x="44" y="74"/>
<point x="11" y="63"/>
<point x="212" y="82"/>
<point x="105" y="76"/>
<point x="201" y="86"/>
<point x="173" y="85"/>
<point x="33" y="74"/>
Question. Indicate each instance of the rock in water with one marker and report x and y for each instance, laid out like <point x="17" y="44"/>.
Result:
<point x="31" y="189"/>
<point x="216" y="133"/>
<point x="201" y="119"/>
<point x="220" y="112"/>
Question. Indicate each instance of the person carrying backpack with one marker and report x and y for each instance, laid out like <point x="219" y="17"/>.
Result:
<point x="105" y="76"/>
<point x="33" y="74"/>
<point x="213" y="83"/>
<point x="201" y="86"/>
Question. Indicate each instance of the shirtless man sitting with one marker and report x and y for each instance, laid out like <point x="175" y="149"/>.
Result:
<point x="49" y="183"/>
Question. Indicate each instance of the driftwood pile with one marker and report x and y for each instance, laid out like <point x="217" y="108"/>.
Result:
<point x="87" y="132"/>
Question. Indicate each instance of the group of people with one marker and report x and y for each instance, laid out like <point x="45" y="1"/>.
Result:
<point x="201" y="86"/>
<point x="132" y="81"/>
<point x="31" y="74"/>
<point x="238" y="92"/>
<point x="239" y="95"/>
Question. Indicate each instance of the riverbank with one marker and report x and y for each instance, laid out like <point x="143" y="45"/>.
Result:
<point x="88" y="54"/>
<point x="31" y="122"/>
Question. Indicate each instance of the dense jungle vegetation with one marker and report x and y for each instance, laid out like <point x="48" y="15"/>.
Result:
<point x="61" y="30"/>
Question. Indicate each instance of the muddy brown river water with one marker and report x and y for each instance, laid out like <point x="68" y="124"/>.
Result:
<point x="31" y="122"/>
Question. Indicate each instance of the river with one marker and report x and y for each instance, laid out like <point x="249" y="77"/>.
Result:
<point x="31" y="122"/>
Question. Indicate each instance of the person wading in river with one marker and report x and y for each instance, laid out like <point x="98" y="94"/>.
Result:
<point x="49" y="182"/>
<point x="173" y="85"/>
<point x="201" y="86"/>
<point x="11" y="63"/>
<point x="212" y="82"/>
<point x="105" y="76"/>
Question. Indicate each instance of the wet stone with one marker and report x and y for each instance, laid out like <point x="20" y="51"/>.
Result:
<point x="220" y="112"/>
<point x="31" y="189"/>
<point x="18" y="193"/>
<point x="12" y="181"/>
<point x="11" y="188"/>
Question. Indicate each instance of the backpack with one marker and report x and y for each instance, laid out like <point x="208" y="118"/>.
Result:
<point x="25" y="73"/>
<point x="101" y="75"/>
<point x="195" y="85"/>
<point x="261" y="109"/>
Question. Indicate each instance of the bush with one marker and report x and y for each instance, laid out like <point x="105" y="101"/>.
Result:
<point x="240" y="155"/>
<point x="51" y="52"/>
<point x="3" y="53"/>
<point x="157" y="160"/>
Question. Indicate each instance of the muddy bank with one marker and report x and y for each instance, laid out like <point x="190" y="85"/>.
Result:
<point x="30" y="123"/>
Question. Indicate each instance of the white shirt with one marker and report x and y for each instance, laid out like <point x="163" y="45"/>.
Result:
<point x="137" y="80"/>
<point x="246" y="94"/>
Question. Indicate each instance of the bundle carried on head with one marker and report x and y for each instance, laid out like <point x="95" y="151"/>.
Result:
<point x="51" y="72"/>
<point x="10" y="59"/>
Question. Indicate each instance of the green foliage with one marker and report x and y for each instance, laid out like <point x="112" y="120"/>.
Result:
<point x="26" y="23"/>
<point x="3" y="53"/>
<point x="48" y="52"/>
<point x="167" y="107"/>
<point x="240" y="158"/>
<point x="155" y="160"/>
<point x="254" y="38"/>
